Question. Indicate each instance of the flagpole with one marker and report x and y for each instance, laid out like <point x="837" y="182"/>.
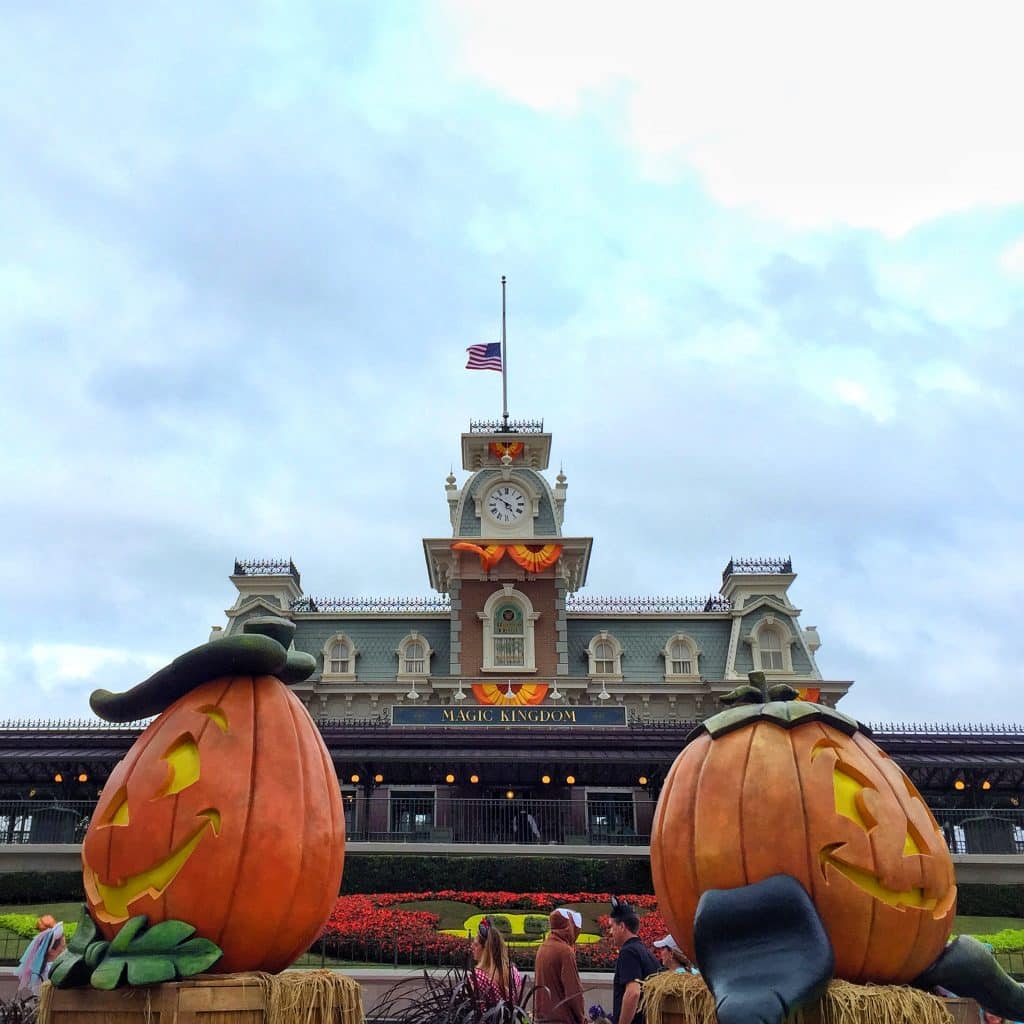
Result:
<point x="504" y="361"/>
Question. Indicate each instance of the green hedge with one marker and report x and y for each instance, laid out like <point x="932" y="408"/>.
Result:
<point x="977" y="900"/>
<point x="41" y="887"/>
<point x="412" y="873"/>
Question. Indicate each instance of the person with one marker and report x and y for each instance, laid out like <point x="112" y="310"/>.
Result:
<point x="557" y="988"/>
<point x="39" y="957"/>
<point x="634" y="963"/>
<point x="496" y="978"/>
<point x="672" y="957"/>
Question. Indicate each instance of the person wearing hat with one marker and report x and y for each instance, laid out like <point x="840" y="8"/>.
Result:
<point x="634" y="963"/>
<point x="671" y="956"/>
<point x="558" y="990"/>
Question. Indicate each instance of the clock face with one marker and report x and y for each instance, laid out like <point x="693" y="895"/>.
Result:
<point x="506" y="504"/>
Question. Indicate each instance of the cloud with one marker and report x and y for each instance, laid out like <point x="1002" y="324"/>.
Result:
<point x="876" y="117"/>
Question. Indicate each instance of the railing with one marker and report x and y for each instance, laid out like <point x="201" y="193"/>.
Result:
<point x="599" y="605"/>
<point x="266" y="567"/>
<point x="38" y="821"/>
<point x="402" y="817"/>
<point x="420" y="817"/>
<point x="506" y="426"/>
<point x="758" y="566"/>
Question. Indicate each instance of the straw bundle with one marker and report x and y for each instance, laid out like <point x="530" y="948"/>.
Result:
<point x="687" y="996"/>
<point x="311" y="997"/>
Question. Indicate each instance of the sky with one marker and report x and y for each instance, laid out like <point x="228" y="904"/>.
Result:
<point x="765" y="288"/>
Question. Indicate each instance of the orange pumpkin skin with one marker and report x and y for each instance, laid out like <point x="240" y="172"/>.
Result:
<point x="829" y="809"/>
<point x="255" y="804"/>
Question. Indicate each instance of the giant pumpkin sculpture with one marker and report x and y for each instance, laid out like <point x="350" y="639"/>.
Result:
<point x="788" y="847"/>
<point x="226" y="813"/>
<point x="793" y="788"/>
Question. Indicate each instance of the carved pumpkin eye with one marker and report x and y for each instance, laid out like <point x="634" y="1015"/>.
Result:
<point x="118" y="813"/>
<point x="183" y="759"/>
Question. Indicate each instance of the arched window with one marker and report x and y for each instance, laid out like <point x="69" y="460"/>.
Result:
<point x="507" y="620"/>
<point x="414" y="656"/>
<point x="682" y="658"/>
<point x="770" y="644"/>
<point x="339" y="658"/>
<point x="604" y="655"/>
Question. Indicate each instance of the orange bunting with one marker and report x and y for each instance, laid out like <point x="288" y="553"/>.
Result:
<point x="490" y="555"/>
<point x="513" y="450"/>
<point x="535" y="560"/>
<point x="496" y="694"/>
<point x="811" y="693"/>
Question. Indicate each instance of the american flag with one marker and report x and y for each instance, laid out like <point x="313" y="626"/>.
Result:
<point x="484" y="357"/>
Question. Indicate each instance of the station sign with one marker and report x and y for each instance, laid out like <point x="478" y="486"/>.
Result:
<point x="508" y="716"/>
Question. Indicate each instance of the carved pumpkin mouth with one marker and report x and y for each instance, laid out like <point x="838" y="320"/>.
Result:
<point x="112" y="901"/>
<point x="867" y="882"/>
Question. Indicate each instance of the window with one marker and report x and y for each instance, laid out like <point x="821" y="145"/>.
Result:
<point x="604" y="655"/>
<point x="412" y="812"/>
<point x="770" y="644"/>
<point x="508" y="619"/>
<point x="339" y="658"/>
<point x="770" y="641"/>
<point x="414" y="655"/>
<point x="509" y="636"/>
<point x="611" y="817"/>
<point x="682" y="658"/>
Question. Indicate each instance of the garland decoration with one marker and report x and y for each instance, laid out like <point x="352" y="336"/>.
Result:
<point x="534" y="559"/>
<point x="496" y="694"/>
<point x="513" y="450"/>
<point x="490" y="555"/>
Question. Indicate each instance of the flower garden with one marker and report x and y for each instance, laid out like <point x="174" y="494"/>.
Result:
<point x="435" y="927"/>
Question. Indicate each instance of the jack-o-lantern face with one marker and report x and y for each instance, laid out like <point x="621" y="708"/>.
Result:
<point x="828" y="808"/>
<point x="225" y="813"/>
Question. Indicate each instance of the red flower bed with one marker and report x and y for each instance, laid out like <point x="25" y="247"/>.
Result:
<point x="371" y="927"/>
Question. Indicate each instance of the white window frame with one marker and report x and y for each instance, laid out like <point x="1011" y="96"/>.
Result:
<point x="400" y="650"/>
<point x="604" y="637"/>
<point x="508" y="593"/>
<point x="771" y="623"/>
<point x="695" y="652"/>
<point x="339" y="677"/>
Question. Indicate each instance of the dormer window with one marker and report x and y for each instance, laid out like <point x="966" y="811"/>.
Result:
<point x="681" y="656"/>
<point x="770" y="642"/>
<point x="414" y="655"/>
<point x="339" y="658"/>
<point x="604" y="654"/>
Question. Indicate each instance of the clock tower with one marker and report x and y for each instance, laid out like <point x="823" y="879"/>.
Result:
<point x="507" y="567"/>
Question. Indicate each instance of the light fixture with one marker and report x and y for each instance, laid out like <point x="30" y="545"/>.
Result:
<point x="460" y="693"/>
<point x="378" y="778"/>
<point x="556" y="694"/>
<point x="474" y="779"/>
<point x="355" y="778"/>
<point x="412" y="694"/>
<point x="509" y="794"/>
<point x="570" y="780"/>
<point x="986" y="784"/>
<point x="449" y="778"/>
<point x="58" y="777"/>
<point x="546" y="779"/>
<point x="642" y="780"/>
<point x="604" y="694"/>
<point x="509" y="692"/>
<point x="83" y="777"/>
<point x="960" y="784"/>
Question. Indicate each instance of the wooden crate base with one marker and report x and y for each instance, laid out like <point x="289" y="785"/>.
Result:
<point x="215" y="999"/>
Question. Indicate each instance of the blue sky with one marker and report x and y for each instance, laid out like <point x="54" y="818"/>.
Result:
<point x="766" y="288"/>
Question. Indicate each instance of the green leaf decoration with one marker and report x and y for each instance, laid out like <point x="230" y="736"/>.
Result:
<point x="744" y="694"/>
<point x="164" y="952"/>
<point x="783" y="691"/>
<point x="72" y="968"/>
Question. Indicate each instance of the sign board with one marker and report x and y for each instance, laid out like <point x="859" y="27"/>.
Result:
<point x="508" y="715"/>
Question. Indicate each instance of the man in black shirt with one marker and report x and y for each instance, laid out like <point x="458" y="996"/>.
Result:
<point x="635" y="962"/>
